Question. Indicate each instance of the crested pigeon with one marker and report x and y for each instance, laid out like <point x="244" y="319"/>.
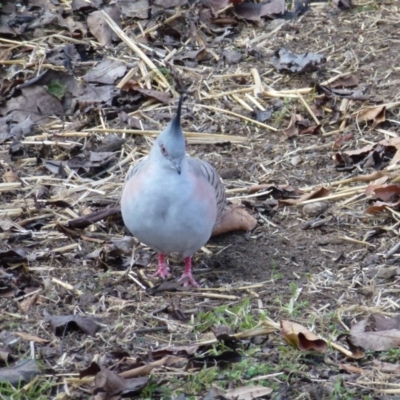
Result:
<point x="171" y="202"/>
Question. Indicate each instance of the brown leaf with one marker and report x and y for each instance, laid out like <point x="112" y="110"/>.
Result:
<point x="247" y="392"/>
<point x="27" y="304"/>
<point x="65" y="323"/>
<point x="300" y="337"/>
<point x="374" y="340"/>
<point x="387" y="192"/>
<point x="6" y="357"/>
<point x="352" y="369"/>
<point x="342" y="139"/>
<point x="383" y="323"/>
<point x="315" y="194"/>
<point x="235" y="218"/>
<point x="375" y="114"/>
<point x="11" y="176"/>
<point x="292" y="129"/>
<point x="162" y="97"/>
<point x="108" y="382"/>
<point x="380" y="206"/>
<point x="350" y="80"/>
<point x="356" y="352"/>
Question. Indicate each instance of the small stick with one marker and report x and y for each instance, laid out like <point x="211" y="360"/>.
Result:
<point x="136" y="281"/>
<point x="331" y="197"/>
<point x="314" y="117"/>
<point x="67" y="286"/>
<point x="392" y="250"/>
<point x="271" y="128"/>
<point x="217" y="95"/>
<point x="242" y="103"/>
<point x="193" y="137"/>
<point x="258" y="86"/>
<point x="128" y="41"/>
<point x="207" y="295"/>
<point x="349" y="239"/>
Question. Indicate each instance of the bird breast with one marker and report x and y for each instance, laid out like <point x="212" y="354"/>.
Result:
<point x="169" y="212"/>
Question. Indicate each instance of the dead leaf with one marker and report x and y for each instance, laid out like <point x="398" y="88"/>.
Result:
<point x="386" y="367"/>
<point x="350" y="80"/>
<point x="11" y="176"/>
<point x="33" y="102"/>
<point x="162" y="97"/>
<point x="248" y="392"/>
<point x="300" y="337"/>
<point x="353" y="94"/>
<point x="342" y="139"/>
<point x="13" y="256"/>
<point x="254" y="12"/>
<point x="169" y="3"/>
<point x="374" y="340"/>
<point x="235" y="218"/>
<point x="315" y="194"/>
<point x="231" y="56"/>
<point x="65" y="323"/>
<point x="26" y="304"/>
<point x="134" y="8"/>
<point x="387" y="192"/>
<point x="383" y="323"/>
<point x="99" y="27"/>
<point x="105" y="72"/>
<point x="22" y="371"/>
<point x="6" y="357"/>
<point x="376" y="114"/>
<point x="292" y="129"/>
<point x="352" y="369"/>
<point x="110" y="383"/>
<point x="380" y="206"/>
<point x="285" y="60"/>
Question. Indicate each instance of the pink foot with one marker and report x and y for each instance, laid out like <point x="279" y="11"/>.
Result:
<point x="163" y="269"/>
<point x="187" y="277"/>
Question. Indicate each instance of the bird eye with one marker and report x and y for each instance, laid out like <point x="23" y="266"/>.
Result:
<point x="163" y="150"/>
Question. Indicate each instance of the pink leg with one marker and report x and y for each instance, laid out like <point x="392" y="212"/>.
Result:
<point x="163" y="270"/>
<point x="187" y="276"/>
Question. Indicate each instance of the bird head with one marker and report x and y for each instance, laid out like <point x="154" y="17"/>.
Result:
<point x="170" y="144"/>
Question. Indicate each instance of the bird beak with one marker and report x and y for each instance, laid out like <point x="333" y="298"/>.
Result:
<point x="178" y="169"/>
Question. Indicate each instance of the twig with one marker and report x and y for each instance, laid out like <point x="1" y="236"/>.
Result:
<point x="129" y="42"/>
<point x="220" y="110"/>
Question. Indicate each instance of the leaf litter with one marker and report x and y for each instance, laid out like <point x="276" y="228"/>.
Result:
<point x="85" y="89"/>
